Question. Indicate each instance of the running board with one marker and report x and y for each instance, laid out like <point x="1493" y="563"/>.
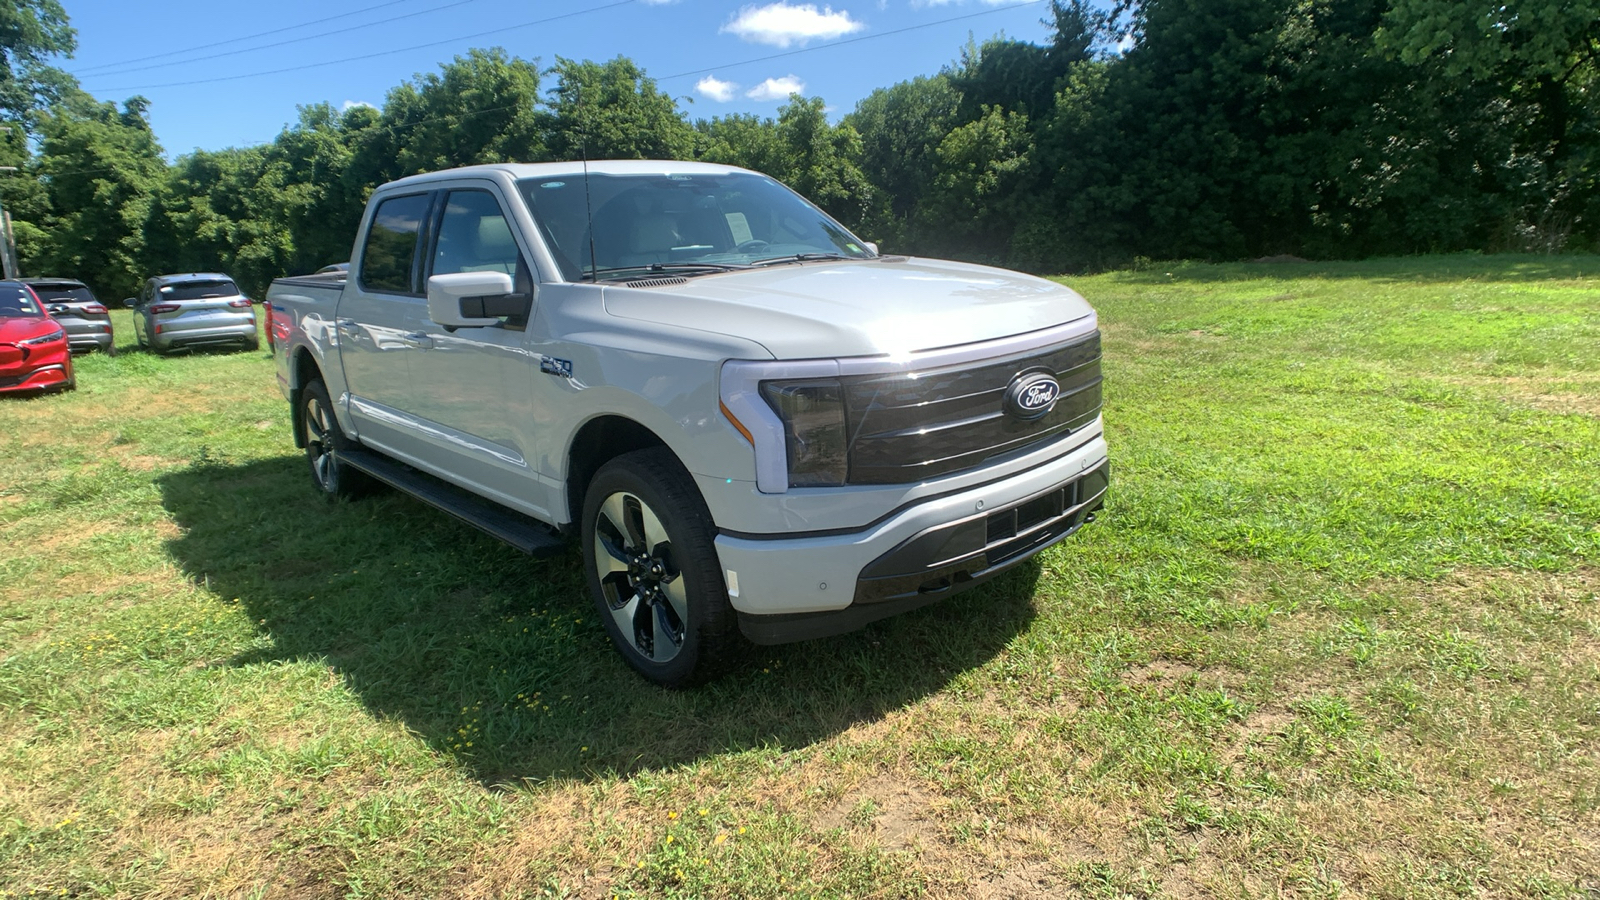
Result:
<point x="521" y="532"/>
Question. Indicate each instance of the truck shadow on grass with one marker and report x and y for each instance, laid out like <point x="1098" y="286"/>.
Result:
<point x="498" y="660"/>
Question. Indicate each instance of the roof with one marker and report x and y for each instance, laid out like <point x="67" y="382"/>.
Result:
<point x="43" y="280"/>
<point x="575" y="169"/>
<point x="192" y="277"/>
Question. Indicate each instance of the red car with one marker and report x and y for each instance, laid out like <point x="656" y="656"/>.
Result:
<point x="34" y="355"/>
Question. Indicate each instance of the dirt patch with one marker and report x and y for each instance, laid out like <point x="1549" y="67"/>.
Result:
<point x="890" y="810"/>
<point x="1161" y="676"/>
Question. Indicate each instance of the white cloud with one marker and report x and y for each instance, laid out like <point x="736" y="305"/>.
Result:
<point x="781" y="24"/>
<point x="777" y="88"/>
<point x="352" y="104"/>
<point x="922" y="4"/>
<point x="713" y="88"/>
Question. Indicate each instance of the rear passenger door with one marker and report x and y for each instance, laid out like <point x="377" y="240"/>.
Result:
<point x="474" y="385"/>
<point x="381" y="316"/>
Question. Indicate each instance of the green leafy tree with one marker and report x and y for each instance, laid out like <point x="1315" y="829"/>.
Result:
<point x="984" y="185"/>
<point x="611" y="110"/>
<point x="479" y="108"/>
<point x="901" y="128"/>
<point x="32" y="32"/>
<point x="102" y="169"/>
<point x="821" y="161"/>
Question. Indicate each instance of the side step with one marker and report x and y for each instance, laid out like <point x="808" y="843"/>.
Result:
<point x="519" y="531"/>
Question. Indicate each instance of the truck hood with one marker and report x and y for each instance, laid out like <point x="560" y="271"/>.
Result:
<point x="891" y="305"/>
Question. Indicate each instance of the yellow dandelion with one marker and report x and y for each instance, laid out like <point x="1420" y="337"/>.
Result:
<point x="721" y="837"/>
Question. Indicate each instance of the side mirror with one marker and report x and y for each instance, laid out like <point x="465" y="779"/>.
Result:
<point x="461" y="299"/>
<point x="130" y="302"/>
<point x="871" y="246"/>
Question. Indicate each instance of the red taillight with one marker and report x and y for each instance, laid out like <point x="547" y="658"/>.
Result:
<point x="95" y="309"/>
<point x="163" y="307"/>
<point x="239" y="304"/>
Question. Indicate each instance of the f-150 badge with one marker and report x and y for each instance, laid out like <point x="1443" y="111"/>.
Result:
<point x="562" y="367"/>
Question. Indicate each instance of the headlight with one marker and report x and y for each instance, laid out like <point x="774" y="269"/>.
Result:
<point x="56" y="335"/>
<point x="813" y="424"/>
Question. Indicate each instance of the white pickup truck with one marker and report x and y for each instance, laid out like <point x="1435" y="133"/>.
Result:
<point x="750" y="419"/>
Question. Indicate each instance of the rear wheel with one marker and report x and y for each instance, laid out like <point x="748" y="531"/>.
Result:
<point x="653" y="571"/>
<point x="324" y="440"/>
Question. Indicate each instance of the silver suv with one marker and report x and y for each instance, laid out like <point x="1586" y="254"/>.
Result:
<point x="75" y="309"/>
<point x="195" y="310"/>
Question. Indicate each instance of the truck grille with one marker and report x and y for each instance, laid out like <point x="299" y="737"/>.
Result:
<point x="911" y="426"/>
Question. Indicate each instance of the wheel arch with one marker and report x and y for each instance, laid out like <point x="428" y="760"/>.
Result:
<point x="304" y="370"/>
<point x="599" y="441"/>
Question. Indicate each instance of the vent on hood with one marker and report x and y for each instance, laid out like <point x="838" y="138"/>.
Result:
<point x="668" y="281"/>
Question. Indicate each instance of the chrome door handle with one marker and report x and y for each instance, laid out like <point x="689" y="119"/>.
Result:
<point x="417" y="339"/>
<point x="348" y="326"/>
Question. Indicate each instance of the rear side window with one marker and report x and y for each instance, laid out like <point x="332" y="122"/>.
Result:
<point x="63" y="293"/>
<point x="390" y="254"/>
<point x="198" y="290"/>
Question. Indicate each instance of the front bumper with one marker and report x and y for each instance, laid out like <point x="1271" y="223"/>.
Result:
<point x="797" y="588"/>
<point x="39" y="378"/>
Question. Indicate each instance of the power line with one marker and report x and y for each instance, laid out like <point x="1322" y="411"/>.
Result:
<point x="298" y="40"/>
<point x="350" y="59"/>
<point x="868" y="37"/>
<point x="115" y="65"/>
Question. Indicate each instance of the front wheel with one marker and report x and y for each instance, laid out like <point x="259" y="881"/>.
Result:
<point x="324" y="440"/>
<point x="653" y="570"/>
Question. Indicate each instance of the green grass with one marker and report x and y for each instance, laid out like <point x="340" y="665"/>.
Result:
<point x="1337" y="633"/>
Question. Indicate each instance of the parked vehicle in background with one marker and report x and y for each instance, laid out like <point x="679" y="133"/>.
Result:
<point x="750" y="419"/>
<point x="196" y="310"/>
<point x="34" y="354"/>
<point x="74" y="307"/>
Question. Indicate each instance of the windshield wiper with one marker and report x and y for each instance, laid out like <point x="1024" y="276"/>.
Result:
<point x="680" y="268"/>
<point x="799" y="257"/>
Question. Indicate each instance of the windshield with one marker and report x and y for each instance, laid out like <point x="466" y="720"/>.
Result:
<point x="673" y="221"/>
<point x="17" y="303"/>
<point x="199" y="290"/>
<point x="63" y="293"/>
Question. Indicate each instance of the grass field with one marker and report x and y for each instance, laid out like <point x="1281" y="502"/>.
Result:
<point x="1337" y="634"/>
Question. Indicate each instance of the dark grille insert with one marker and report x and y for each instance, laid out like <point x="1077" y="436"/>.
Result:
<point x="909" y="427"/>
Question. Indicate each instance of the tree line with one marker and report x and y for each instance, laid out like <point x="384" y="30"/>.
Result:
<point x="1212" y="129"/>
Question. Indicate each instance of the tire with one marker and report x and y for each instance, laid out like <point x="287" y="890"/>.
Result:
<point x="653" y="570"/>
<point x="324" y="442"/>
<point x="111" y="348"/>
<point x="252" y="343"/>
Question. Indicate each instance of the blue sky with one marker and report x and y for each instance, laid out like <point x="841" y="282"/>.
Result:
<point x="198" y="62"/>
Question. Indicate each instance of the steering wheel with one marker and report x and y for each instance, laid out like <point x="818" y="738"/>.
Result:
<point x="751" y="246"/>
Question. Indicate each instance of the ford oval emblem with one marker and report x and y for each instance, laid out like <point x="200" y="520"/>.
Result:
<point x="1031" y="395"/>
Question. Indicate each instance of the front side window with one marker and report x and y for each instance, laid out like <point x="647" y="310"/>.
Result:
<point x="390" y="253"/>
<point x="725" y="221"/>
<point x="474" y="236"/>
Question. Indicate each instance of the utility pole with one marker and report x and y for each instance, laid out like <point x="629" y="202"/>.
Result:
<point x="8" y="251"/>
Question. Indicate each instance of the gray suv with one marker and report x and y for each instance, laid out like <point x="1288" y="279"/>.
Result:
<point x="75" y="309"/>
<point x="196" y="310"/>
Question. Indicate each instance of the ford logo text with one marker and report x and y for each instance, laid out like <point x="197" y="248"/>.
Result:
<point x="1031" y="395"/>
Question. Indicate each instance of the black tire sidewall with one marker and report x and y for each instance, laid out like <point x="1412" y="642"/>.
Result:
<point x="332" y="442"/>
<point x="659" y="480"/>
